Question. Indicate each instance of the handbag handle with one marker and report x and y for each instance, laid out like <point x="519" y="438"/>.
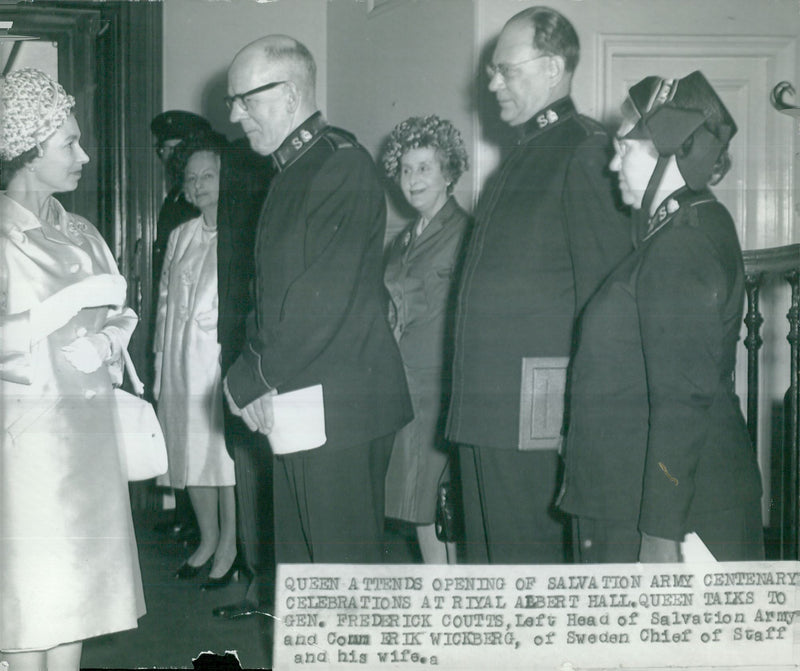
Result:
<point x="136" y="383"/>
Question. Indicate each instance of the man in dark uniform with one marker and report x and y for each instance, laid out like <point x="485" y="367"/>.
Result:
<point x="170" y="128"/>
<point x="319" y="315"/>
<point x="244" y="179"/>
<point x="546" y="234"/>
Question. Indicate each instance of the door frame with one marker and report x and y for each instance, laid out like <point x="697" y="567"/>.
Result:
<point x="110" y="59"/>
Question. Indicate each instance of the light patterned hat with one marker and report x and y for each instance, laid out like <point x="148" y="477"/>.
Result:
<point x="32" y="107"/>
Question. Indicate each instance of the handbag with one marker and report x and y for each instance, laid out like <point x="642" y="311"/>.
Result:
<point x="142" y="450"/>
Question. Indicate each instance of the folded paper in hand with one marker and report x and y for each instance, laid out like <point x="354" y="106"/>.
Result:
<point x="693" y="549"/>
<point x="299" y="421"/>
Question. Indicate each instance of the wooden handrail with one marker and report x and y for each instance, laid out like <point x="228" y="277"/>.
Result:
<point x="772" y="259"/>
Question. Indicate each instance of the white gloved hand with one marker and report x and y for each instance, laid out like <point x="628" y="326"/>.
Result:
<point x="55" y="311"/>
<point x="88" y="353"/>
<point x="207" y="321"/>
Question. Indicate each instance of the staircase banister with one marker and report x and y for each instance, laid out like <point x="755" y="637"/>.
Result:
<point x="772" y="259"/>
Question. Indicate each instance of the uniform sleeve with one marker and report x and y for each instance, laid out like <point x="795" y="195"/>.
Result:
<point x="679" y="291"/>
<point x="345" y="210"/>
<point x="598" y="233"/>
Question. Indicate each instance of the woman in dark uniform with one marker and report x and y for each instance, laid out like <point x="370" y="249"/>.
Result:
<point x="426" y="155"/>
<point x="657" y="447"/>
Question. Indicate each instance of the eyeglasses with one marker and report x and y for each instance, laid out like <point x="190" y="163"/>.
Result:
<point x="505" y="70"/>
<point x="620" y="146"/>
<point x="241" y="98"/>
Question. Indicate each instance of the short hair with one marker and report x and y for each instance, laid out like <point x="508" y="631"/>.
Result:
<point x="552" y="34"/>
<point x="419" y="132"/>
<point x="11" y="167"/>
<point x="288" y="49"/>
<point x="208" y="140"/>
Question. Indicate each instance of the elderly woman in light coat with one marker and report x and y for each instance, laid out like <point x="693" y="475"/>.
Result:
<point x="188" y="381"/>
<point x="68" y="561"/>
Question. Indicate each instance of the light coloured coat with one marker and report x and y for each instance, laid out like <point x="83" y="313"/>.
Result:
<point x="68" y="560"/>
<point x="190" y="394"/>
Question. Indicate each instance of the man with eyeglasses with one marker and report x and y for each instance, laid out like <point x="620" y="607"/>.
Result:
<point x="547" y="232"/>
<point x="318" y="314"/>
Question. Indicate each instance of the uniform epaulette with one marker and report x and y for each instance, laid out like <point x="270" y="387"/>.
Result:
<point x="591" y="126"/>
<point x="338" y="138"/>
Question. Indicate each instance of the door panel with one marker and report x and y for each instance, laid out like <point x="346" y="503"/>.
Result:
<point x="757" y="190"/>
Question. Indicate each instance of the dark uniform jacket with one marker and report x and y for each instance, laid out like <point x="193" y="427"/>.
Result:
<point x="656" y="433"/>
<point x="244" y="180"/>
<point x="319" y="314"/>
<point x="546" y="234"/>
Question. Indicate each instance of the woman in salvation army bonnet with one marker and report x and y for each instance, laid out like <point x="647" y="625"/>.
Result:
<point x="658" y="458"/>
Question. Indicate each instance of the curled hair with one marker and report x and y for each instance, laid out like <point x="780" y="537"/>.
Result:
<point x="11" y="167"/>
<point x="430" y="131"/>
<point x="208" y="140"/>
<point x="552" y="34"/>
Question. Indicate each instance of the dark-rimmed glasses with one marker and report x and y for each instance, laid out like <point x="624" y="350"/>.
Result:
<point x="506" y="69"/>
<point x="241" y="98"/>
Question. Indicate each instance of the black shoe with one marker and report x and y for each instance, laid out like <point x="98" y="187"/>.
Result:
<point x="224" y="580"/>
<point x="187" y="570"/>
<point x="233" y="611"/>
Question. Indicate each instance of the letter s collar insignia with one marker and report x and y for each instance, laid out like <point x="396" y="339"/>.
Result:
<point x="299" y="141"/>
<point x="546" y="118"/>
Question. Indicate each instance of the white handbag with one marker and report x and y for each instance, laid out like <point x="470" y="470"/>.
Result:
<point x="142" y="450"/>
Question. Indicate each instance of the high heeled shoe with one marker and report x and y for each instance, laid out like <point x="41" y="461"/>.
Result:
<point x="186" y="571"/>
<point x="232" y="574"/>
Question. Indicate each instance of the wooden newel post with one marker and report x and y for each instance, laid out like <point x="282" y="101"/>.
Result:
<point x="753" y="320"/>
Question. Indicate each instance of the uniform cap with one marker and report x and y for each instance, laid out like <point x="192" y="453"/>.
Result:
<point x="177" y="125"/>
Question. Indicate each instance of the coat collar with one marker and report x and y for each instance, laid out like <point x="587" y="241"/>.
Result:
<point x="299" y="141"/>
<point x="546" y="118"/>
<point x="678" y="203"/>
<point x="62" y="227"/>
<point x="14" y="216"/>
<point x="439" y="221"/>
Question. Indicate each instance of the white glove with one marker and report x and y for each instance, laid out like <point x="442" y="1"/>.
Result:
<point x="207" y="321"/>
<point x="157" y="379"/>
<point x="88" y="353"/>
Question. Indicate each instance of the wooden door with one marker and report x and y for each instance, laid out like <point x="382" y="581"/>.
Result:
<point x="108" y="55"/>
